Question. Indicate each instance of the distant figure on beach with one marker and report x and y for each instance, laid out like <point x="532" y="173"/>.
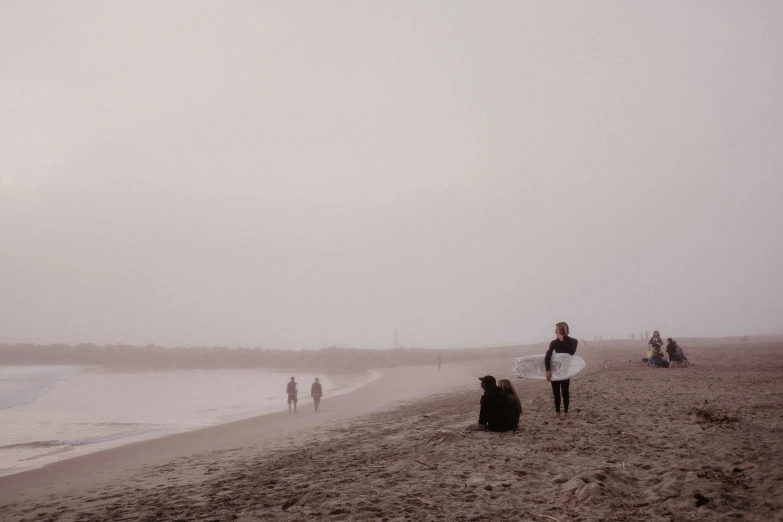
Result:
<point x="316" y="392"/>
<point x="514" y="404"/>
<point x="440" y="360"/>
<point x="563" y="344"/>
<point x="292" y="392"/>
<point x="655" y="341"/>
<point x="493" y="415"/>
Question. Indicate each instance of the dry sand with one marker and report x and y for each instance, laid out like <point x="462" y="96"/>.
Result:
<point x="697" y="443"/>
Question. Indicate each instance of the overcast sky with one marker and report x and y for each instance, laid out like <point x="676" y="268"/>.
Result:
<point x="307" y="174"/>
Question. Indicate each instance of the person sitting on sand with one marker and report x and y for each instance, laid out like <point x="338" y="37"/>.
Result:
<point x="316" y="392"/>
<point x="292" y="392"/>
<point x="493" y="415"/>
<point x="563" y="344"/>
<point x="514" y="405"/>
<point x="679" y="355"/>
<point x="657" y="360"/>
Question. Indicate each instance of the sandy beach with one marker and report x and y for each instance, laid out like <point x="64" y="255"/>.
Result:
<point x="202" y="200"/>
<point x="697" y="443"/>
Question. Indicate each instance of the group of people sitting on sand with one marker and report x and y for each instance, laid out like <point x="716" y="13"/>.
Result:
<point x="500" y="406"/>
<point x="675" y="357"/>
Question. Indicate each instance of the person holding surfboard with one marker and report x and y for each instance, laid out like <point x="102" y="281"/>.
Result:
<point x="563" y="344"/>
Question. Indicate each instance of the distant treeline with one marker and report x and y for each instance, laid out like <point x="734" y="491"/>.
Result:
<point x="154" y="357"/>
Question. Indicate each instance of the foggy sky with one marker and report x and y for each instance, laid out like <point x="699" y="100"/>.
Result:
<point x="300" y="175"/>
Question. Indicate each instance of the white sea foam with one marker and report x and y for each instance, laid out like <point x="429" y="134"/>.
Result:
<point x="53" y="412"/>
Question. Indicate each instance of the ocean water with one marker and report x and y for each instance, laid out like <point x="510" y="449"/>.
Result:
<point x="48" y="413"/>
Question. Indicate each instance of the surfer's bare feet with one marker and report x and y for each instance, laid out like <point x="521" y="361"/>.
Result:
<point x="558" y="415"/>
<point x="565" y="416"/>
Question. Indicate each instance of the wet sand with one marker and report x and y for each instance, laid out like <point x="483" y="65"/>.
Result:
<point x="697" y="443"/>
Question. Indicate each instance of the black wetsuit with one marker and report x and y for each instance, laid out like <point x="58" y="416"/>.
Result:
<point x="567" y="345"/>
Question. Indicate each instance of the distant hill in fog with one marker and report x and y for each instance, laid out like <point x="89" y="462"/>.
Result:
<point x="334" y="359"/>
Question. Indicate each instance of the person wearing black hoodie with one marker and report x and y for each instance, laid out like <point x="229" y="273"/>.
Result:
<point x="494" y="412"/>
<point x="563" y="344"/>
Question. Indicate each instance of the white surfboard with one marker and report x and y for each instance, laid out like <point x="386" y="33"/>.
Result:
<point x="564" y="366"/>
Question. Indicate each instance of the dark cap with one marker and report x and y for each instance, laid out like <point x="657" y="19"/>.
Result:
<point x="488" y="379"/>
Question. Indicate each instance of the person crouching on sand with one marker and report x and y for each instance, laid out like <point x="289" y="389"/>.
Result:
<point x="678" y="358"/>
<point x="292" y="392"/>
<point x="514" y="405"/>
<point x="679" y="355"/>
<point x="316" y="392"/>
<point x="563" y="344"/>
<point x="493" y="415"/>
<point x="657" y="360"/>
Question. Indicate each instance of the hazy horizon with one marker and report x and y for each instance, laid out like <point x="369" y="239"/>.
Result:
<point x="307" y="175"/>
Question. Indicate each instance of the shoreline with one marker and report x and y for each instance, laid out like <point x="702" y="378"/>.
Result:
<point x="59" y="455"/>
<point x="94" y="442"/>
<point x="653" y="444"/>
<point x="258" y="433"/>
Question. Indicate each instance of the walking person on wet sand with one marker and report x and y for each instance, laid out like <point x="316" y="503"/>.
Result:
<point x="292" y="391"/>
<point x="316" y="392"/>
<point x="563" y="344"/>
